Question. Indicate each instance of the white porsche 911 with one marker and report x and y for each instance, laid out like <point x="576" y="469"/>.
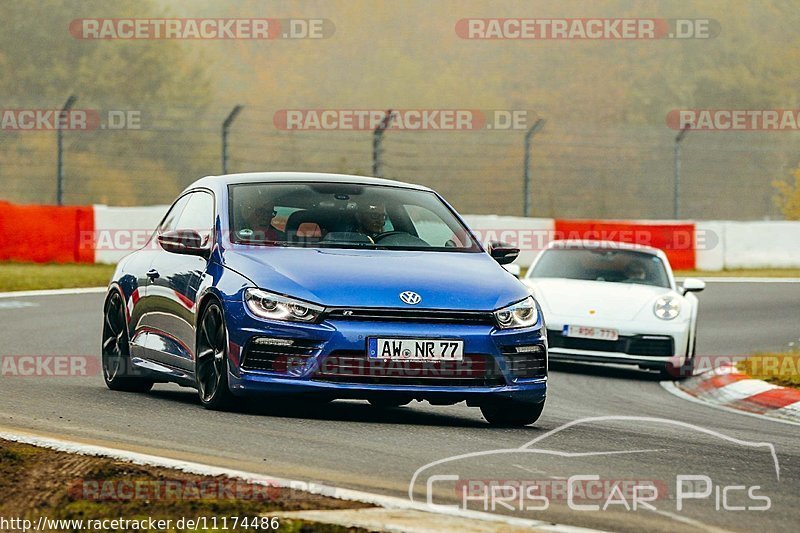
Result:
<point x="610" y="302"/>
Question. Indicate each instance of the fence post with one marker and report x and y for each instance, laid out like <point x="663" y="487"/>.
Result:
<point x="62" y="119"/>
<point x="676" y="192"/>
<point x="377" y="141"/>
<point x="226" y="126"/>
<point x="526" y="184"/>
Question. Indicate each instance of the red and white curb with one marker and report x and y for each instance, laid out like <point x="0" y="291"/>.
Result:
<point x="726" y="388"/>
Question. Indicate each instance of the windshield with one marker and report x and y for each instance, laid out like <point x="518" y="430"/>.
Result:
<point x="344" y="215"/>
<point x="618" y="266"/>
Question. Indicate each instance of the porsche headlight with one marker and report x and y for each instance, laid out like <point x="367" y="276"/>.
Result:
<point x="519" y="315"/>
<point x="271" y="306"/>
<point x="667" y="307"/>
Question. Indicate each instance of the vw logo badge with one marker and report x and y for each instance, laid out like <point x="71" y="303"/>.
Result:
<point x="410" y="297"/>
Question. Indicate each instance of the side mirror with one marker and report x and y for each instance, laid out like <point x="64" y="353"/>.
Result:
<point x="503" y="253"/>
<point x="692" y="285"/>
<point x="187" y="242"/>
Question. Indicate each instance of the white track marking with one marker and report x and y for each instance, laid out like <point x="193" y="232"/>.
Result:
<point x="53" y="292"/>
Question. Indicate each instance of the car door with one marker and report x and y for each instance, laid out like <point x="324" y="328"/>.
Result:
<point x="142" y="312"/>
<point x="170" y="302"/>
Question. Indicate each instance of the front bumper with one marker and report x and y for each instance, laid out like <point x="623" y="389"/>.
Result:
<point x="492" y="367"/>
<point x="651" y="345"/>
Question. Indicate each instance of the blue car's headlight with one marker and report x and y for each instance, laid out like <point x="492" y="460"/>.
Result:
<point x="519" y="315"/>
<point x="271" y="306"/>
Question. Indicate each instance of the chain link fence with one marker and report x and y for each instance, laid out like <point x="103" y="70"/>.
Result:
<point x="577" y="170"/>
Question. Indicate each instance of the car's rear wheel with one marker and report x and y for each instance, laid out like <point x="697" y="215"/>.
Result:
<point x="115" y="352"/>
<point x="510" y="413"/>
<point x="211" y="368"/>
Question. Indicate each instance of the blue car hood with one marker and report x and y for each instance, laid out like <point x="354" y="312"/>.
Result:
<point x="375" y="278"/>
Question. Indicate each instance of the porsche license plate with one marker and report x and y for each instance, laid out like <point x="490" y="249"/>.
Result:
<point x="589" y="332"/>
<point x="416" y="349"/>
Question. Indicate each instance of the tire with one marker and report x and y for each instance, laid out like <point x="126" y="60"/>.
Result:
<point x="686" y="370"/>
<point x="509" y="413"/>
<point x="211" y="366"/>
<point x="115" y="350"/>
<point x="388" y="402"/>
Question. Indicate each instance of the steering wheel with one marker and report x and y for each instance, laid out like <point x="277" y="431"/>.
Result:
<point x="381" y="236"/>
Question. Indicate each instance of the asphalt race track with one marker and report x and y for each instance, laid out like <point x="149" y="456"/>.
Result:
<point x="354" y="445"/>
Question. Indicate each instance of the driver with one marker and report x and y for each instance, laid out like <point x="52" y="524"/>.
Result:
<point x="371" y="218"/>
<point x="257" y="212"/>
<point x="635" y="272"/>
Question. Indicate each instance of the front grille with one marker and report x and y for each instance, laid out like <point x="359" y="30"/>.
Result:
<point x="285" y="356"/>
<point x="355" y="367"/>
<point x="646" y="345"/>
<point x="411" y="315"/>
<point x="529" y="363"/>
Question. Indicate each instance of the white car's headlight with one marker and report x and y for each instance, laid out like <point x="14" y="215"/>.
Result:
<point x="264" y="304"/>
<point x="519" y="315"/>
<point x="667" y="307"/>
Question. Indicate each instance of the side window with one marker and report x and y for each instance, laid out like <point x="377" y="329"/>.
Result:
<point x="168" y="224"/>
<point x="430" y="228"/>
<point x="198" y="215"/>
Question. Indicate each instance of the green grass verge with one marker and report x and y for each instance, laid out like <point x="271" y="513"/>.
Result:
<point x="780" y="369"/>
<point x="31" y="276"/>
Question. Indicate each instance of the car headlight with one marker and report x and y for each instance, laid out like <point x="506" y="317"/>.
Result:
<point x="265" y="304"/>
<point x="667" y="307"/>
<point x="519" y="315"/>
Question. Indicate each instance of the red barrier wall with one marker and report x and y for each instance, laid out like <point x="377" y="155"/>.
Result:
<point x="677" y="240"/>
<point x="45" y="234"/>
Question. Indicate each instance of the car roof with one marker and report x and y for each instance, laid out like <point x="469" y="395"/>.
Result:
<point x="298" y="177"/>
<point x="575" y="244"/>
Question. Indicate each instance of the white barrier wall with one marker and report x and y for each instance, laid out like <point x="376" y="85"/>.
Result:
<point x="709" y="238"/>
<point x="119" y="231"/>
<point x="759" y="244"/>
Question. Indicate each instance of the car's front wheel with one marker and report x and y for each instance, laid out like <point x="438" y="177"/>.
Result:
<point x="115" y="352"/>
<point x="510" y="413"/>
<point x="211" y="367"/>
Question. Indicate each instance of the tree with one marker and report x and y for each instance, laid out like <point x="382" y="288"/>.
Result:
<point x="788" y="197"/>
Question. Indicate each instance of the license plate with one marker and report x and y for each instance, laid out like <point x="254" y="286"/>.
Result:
<point x="416" y="349"/>
<point x="589" y="332"/>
